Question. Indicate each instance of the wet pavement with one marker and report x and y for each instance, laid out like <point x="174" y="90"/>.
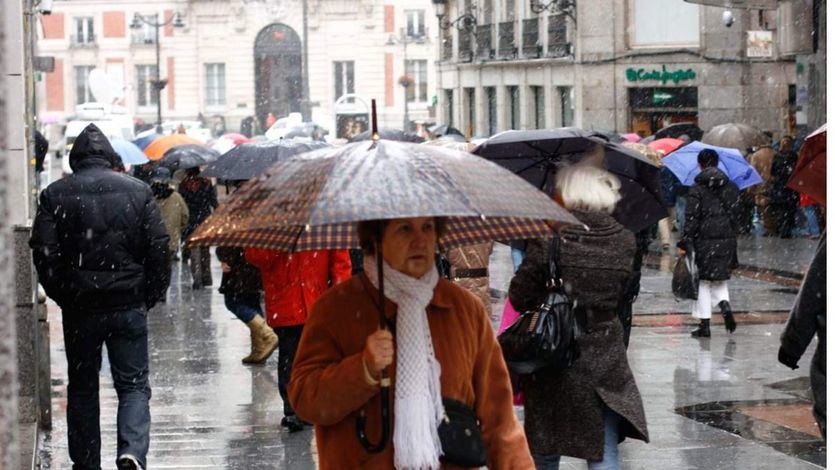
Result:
<point x="720" y="403"/>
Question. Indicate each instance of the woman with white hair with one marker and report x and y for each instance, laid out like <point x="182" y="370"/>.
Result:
<point x="584" y="411"/>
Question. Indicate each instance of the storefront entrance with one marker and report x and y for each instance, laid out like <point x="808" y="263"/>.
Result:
<point x="655" y="108"/>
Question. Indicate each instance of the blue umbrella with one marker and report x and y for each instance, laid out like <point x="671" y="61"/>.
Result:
<point x="129" y="152"/>
<point x="144" y="139"/>
<point x="684" y="164"/>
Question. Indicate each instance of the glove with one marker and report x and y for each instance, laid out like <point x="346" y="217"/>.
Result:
<point x="787" y="359"/>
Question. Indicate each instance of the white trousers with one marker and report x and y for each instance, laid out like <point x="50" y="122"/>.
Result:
<point x="710" y="294"/>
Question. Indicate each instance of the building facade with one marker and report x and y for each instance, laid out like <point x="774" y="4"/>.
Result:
<point x="622" y="65"/>
<point x="235" y="59"/>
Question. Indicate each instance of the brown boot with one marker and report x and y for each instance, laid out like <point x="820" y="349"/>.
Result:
<point x="264" y="341"/>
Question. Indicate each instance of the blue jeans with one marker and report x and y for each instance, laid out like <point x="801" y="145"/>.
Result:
<point x="517" y="256"/>
<point x="681" y="206"/>
<point x="611" y="461"/>
<point x="812" y="221"/>
<point x="244" y="306"/>
<point x="125" y="333"/>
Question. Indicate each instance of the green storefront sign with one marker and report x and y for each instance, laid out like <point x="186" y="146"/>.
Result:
<point x="663" y="75"/>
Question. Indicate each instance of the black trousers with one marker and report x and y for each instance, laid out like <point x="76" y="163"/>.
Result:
<point x="288" y="342"/>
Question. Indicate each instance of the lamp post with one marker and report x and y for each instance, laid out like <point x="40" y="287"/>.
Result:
<point x="159" y="83"/>
<point x="405" y="80"/>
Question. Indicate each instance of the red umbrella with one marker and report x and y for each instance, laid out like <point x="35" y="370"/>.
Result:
<point x="809" y="176"/>
<point x="631" y="137"/>
<point x="236" y="138"/>
<point x="666" y="145"/>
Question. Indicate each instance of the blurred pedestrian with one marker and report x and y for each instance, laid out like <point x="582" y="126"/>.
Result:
<point x="811" y="210"/>
<point x="201" y="197"/>
<point x="783" y="201"/>
<point x="671" y="190"/>
<point x="101" y="252"/>
<point x="808" y="318"/>
<point x="469" y="269"/>
<point x="445" y="350"/>
<point x="709" y="230"/>
<point x="172" y="208"/>
<point x="292" y="283"/>
<point x="761" y="160"/>
<point x="584" y="411"/>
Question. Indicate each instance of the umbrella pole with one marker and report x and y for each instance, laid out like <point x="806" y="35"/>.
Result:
<point x="385" y="381"/>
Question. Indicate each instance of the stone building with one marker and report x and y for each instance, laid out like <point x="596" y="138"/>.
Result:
<point x="235" y="58"/>
<point x="624" y="65"/>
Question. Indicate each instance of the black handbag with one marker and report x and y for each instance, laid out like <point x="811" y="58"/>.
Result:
<point x="460" y="435"/>
<point x="545" y="336"/>
<point x="686" y="277"/>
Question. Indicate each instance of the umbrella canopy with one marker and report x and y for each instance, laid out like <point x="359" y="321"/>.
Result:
<point x="249" y="160"/>
<point x="678" y="129"/>
<point x="157" y="148"/>
<point x="611" y="136"/>
<point x="451" y="143"/>
<point x="666" y="146"/>
<point x="631" y="137"/>
<point x="739" y="136"/>
<point x="441" y="130"/>
<point x="236" y="138"/>
<point x="534" y="155"/>
<point x="684" y="164"/>
<point x="143" y="140"/>
<point x="389" y="134"/>
<point x="183" y="157"/>
<point x="129" y="152"/>
<point x="647" y="151"/>
<point x="312" y="201"/>
<point x="809" y="176"/>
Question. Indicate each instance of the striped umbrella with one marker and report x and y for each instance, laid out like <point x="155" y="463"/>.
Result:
<point x="312" y="201"/>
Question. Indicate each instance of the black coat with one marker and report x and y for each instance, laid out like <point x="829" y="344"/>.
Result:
<point x="709" y="224"/>
<point x="98" y="241"/>
<point x="808" y="318"/>
<point x="781" y="170"/>
<point x="201" y="198"/>
<point x="242" y="278"/>
<point x="563" y="410"/>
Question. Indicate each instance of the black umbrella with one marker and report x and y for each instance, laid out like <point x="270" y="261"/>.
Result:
<point x="535" y="155"/>
<point x="610" y="136"/>
<point x="252" y="159"/>
<point x="183" y="157"/>
<point x="682" y="128"/>
<point x="387" y="133"/>
<point x="441" y="130"/>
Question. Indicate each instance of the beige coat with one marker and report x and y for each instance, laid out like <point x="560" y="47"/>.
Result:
<point x="328" y="387"/>
<point x="469" y="258"/>
<point x="174" y="212"/>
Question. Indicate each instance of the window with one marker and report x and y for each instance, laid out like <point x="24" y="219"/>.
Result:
<point x="513" y="108"/>
<point x="415" y="27"/>
<point x="215" y="84"/>
<point x="146" y="34"/>
<point x="566" y="95"/>
<point x="509" y="10"/>
<point x="343" y="79"/>
<point x="538" y="101"/>
<point x="665" y="23"/>
<point x="418" y="90"/>
<point x="490" y="95"/>
<point x="146" y="75"/>
<point x="82" y="85"/>
<point x="450" y="109"/>
<point x="83" y="33"/>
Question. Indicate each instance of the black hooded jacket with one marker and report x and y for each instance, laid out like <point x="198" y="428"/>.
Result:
<point x="709" y="224"/>
<point x="98" y="241"/>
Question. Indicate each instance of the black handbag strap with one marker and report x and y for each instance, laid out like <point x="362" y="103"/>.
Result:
<point x="554" y="274"/>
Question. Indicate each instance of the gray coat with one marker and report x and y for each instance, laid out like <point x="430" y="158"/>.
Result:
<point x="563" y="410"/>
<point x="807" y="318"/>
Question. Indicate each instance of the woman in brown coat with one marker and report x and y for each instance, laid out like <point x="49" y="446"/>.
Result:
<point x="587" y="410"/>
<point x="445" y="349"/>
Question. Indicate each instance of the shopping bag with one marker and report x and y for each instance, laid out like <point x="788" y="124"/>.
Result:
<point x="686" y="277"/>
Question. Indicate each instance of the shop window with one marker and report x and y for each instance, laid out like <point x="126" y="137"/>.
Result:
<point x="215" y="84"/>
<point x="537" y="96"/>
<point x="513" y="108"/>
<point x="566" y="100"/>
<point x="664" y="23"/>
<point x="450" y="108"/>
<point x="343" y="79"/>
<point x="490" y="95"/>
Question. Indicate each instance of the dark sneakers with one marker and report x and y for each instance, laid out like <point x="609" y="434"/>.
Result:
<point x="128" y="462"/>
<point x="728" y="316"/>
<point x="703" y="331"/>
<point x="293" y="423"/>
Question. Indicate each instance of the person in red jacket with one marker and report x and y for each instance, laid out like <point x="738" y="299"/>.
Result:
<point x="292" y="282"/>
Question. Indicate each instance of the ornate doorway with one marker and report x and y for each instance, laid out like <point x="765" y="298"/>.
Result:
<point x="278" y="72"/>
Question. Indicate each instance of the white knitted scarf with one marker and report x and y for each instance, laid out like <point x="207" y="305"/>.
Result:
<point x="418" y="408"/>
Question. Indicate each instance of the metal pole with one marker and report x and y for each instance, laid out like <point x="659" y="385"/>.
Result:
<point x="158" y="86"/>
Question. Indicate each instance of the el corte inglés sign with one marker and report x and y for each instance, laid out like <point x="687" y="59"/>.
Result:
<point x="663" y="75"/>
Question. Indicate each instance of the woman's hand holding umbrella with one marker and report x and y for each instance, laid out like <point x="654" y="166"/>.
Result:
<point x="379" y="352"/>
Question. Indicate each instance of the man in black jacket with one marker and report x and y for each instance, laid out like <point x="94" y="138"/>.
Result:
<point x="101" y="252"/>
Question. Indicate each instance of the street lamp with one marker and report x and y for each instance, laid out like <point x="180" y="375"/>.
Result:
<point x="565" y="7"/>
<point x="466" y="22"/>
<point x="159" y="83"/>
<point x="405" y="80"/>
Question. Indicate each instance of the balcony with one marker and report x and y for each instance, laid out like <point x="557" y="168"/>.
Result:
<point x="558" y="45"/>
<point x="465" y="46"/>
<point x="484" y="42"/>
<point x="531" y="47"/>
<point x="83" y="42"/>
<point x="507" y="40"/>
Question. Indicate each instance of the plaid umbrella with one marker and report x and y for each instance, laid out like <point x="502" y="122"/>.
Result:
<point x="313" y="200"/>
